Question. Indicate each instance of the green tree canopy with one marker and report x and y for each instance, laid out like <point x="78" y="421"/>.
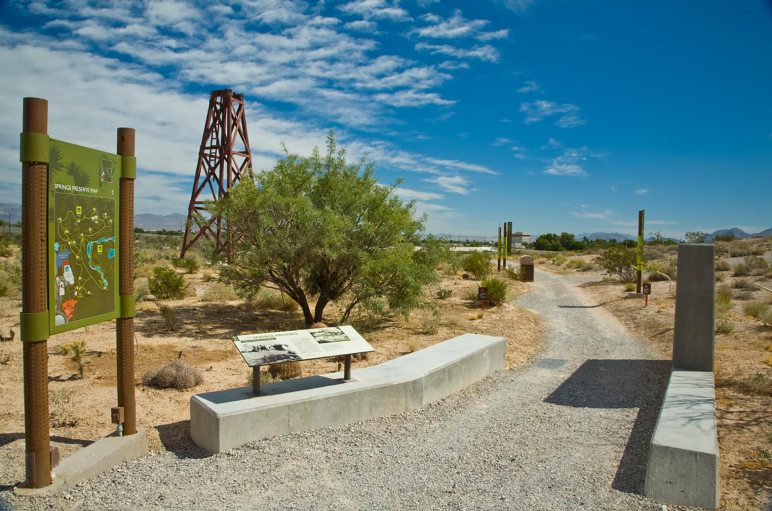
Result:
<point x="319" y="226"/>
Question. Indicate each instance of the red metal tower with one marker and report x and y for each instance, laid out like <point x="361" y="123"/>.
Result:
<point x="222" y="159"/>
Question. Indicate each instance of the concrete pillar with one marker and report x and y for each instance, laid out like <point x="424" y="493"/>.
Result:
<point x="695" y="311"/>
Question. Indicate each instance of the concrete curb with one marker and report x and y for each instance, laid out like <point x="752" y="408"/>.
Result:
<point x="229" y="418"/>
<point x="91" y="461"/>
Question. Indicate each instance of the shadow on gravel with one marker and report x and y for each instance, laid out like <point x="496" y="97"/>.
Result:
<point x="621" y="384"/>
<point x="175" y="438"/>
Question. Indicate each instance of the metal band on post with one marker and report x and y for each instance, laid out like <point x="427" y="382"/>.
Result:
<point x="125" y="324"/>
<point x="34" y="262"/>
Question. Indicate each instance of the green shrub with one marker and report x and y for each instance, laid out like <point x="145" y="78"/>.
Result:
<point x="208" y="276"/>
<point x="741" y="269"/>
<point x="166" y="284"/>
<point x="724" y="326"/>
<point x="77" y="353"/>
<point x="766" y="317"/>
<point x="630" y="287"/>
<point x="10" y="279"/>
<point x="219" y="292"/>
<point x="478" y="264"/>
<point x="724" y="294"/>
<point x="559" y="260"/>
<point x="176" y="375"/>
<point x="5" y="249"/>
<point x="742" y="283"/>
<point x="755" y="309"/>
<point x="723" y="265"/>
<point x="497" y="290"/>
<point x="619" y="261"/>
<point x="512" y="274"/>
<point x="188" y="264"/>
<point x="757" y="265"/>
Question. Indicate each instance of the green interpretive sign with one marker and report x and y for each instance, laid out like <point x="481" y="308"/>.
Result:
<point x="83" y="193"/>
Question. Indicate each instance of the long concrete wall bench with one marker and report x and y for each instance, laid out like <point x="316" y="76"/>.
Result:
<point x="683" y="456"/>
<point x="229" y="418"/>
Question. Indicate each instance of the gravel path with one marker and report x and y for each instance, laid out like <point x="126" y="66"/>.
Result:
<point x="568" y="432"/>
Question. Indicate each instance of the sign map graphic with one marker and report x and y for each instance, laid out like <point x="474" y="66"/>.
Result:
<point x="83" y="233"/>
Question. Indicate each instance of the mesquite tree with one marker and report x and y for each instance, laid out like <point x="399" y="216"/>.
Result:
<point x="319" y="227"/>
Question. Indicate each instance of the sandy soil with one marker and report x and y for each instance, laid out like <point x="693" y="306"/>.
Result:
<point x="80" y="408"/>
<point x="743" y="380"/>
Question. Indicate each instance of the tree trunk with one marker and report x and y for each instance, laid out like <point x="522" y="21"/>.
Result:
<point x="321" y="303"/>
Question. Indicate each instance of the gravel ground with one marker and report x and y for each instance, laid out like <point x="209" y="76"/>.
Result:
<point x="568" y="432"/>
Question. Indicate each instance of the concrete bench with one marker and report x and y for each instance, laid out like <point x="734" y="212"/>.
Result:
<point x="229" y="418"/>
<point x="683" y="456"/>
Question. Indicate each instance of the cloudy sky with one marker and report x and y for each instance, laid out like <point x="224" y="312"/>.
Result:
<point x="558" y="115"/>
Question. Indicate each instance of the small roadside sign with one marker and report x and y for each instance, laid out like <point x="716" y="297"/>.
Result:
<point x="647" y="289"/>
<point x="482" y="293"/>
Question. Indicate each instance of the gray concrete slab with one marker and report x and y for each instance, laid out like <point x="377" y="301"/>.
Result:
<point x="229" y="418"/>
<point x="695" y="309"/>
<point x="683" y="465"/>
<point x="91" y="461"/>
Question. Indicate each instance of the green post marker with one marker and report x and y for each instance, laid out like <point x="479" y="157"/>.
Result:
<point x="498" y="249"/>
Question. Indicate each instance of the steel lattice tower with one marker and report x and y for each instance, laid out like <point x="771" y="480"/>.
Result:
<point x="223" y="158"/>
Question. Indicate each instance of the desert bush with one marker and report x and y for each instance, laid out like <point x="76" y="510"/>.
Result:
<point x="755" y="309"/>
<point x="428" y="324"/>
<point x="10" y="279"/>
<point x="273" y="300"/>
<point x="741" y="269"/>
<point x="559" y="260"/>
<point x="219" y="292"/>
<point x="745" y="295"/>
<point x="166" y="284"/>
<point x="76" y="350"/>
<point x="497" y="290"/>
<point x="740" y="248"/>
<point x="5" y="249"/>
<point x="619" y="261"/>
<point x="470" y="294"/>
<point x="189" y="264"/>
<point x="171" y="322"/>
<point x="444" y="293"/>
<point x="742" y="283"/>
<point x="176" y="375"/>
<point x="724" y="326"/>
<point x="756" y="265"/>
<point x="724" y="294"/>
<point x="661" y="268"/>
<point x="208" y="276"/>
<point x="630" y="287"/>
<point x="478" y="264"/>
<point x="723" y="265"/>
<point x="766" y="317"/>
<point x="578" y="264"/>
<point x="285" y="370"/>
<point x="141" y="288"/>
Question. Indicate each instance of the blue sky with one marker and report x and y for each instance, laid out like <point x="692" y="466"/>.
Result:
<point x="558" y="115"/>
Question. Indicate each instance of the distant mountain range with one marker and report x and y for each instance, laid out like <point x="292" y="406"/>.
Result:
<point x="151" y="222"/>
<point x="592" y="236"/>
<point x="739" y="233"/>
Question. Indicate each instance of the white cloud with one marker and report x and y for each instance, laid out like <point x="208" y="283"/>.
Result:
<point x="362" y="26"/>
<point x="517" y="6"/>
<point x="452" y="184"/>
<point x="460" y="165"/>
<point x="486" y="53"/>
<point x="529" y="86"/>
<point x="535" y="111"/>
<point x="408" y="194"/>
<point x="377" y="9"/>
<point x="570" y="163"/>
<point x="606" y="214"/>
<point x="641" y="191"/>
<point x="456" y="27"/>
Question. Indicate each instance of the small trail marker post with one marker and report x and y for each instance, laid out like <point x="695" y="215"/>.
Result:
<point x="646" y="293"/>
<point x="498" y="249"/>
<point x="482" y="296"/>
<point x="639" y="254"/>
<point x="77" y="255"/>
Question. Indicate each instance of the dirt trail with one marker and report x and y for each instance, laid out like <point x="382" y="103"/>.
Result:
<point x="568" y="432"/>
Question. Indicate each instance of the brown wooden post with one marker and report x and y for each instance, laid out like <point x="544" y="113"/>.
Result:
<point x="34" y="315"/>
<point x="125" y="323"/>
<point x="256" y="380"/>
<point x="639" y="258"/>
<point x="347" y="367"/>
